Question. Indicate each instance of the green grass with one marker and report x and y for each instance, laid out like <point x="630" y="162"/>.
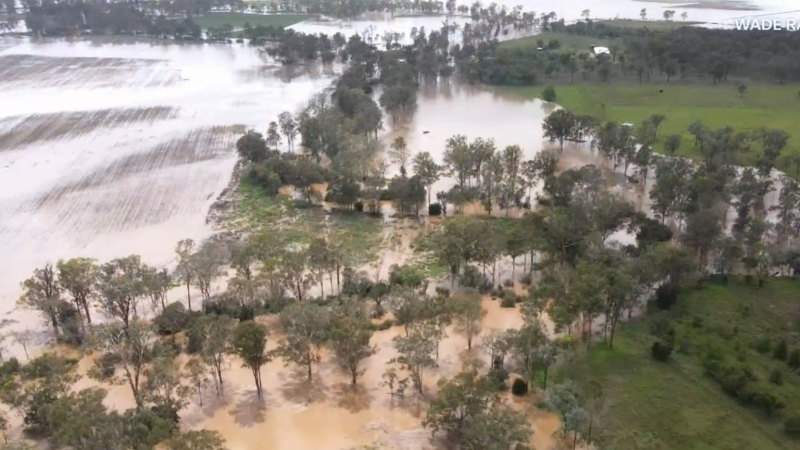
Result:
<point x="567" y="41"/>
<point x="771" y="106"/>
<point x="649" y="404"/>
<point x="237" y="20"/>
<point x="299" y="223"/>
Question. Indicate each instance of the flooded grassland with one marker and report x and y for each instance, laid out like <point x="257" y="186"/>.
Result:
<point x="111" y="147"/>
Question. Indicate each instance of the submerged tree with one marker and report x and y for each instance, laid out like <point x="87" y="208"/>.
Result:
<point x="249" y="343"/>
<point x="350" y="333"/>
<point x="306" y="328"/>
<point x="42" y="292"/>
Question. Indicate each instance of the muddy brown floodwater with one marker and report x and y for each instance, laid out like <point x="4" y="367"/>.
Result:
<point x="329" y="412"/>
<point x="116" y="146"/>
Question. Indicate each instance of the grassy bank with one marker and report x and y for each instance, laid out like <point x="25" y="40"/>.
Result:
<point x="771" y="106"/>
<point x="650" y="404"/>
<point x="238" y="20"/>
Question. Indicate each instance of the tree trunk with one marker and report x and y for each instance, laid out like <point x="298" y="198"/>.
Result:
<point x="188" y="295"/>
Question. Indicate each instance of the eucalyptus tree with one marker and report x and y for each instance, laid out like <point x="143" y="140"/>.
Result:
<point x="120" y="285"/>
<point x="416" y="353"/>
<point x="400" y="153"/>
<point x="132" y="345"/>
<point x="350" y="334"/>
<point x="427" y="170"/>
<point x="42" y="292"/>
<point x="289" y="128"/>
<point x="458" y="159"/>
<point x="467" y="314"/>
<point x="249" y="343"/>
<point x="78" y="276"/>
<point x="305" y="326"/>
<point x="185" y="270"/>
<point x="511" y="160"/>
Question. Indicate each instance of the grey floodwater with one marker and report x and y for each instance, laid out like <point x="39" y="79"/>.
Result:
<point x="114" y="146"/>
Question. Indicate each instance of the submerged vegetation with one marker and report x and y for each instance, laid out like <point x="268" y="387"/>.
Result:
<point x="691" y="322"/>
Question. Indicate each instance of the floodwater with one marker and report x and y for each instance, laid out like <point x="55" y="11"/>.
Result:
<point x="450" y="108"/>
<point x="329" y="412"/>
<point x="115" y="146"/>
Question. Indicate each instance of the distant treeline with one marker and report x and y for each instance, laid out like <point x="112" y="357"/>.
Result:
<point x="49" y="18"/>
<point x="640" y="55"/>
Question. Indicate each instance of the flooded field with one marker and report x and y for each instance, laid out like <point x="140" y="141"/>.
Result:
<point x="329" y="412"/>
<point x="111" y="147"/>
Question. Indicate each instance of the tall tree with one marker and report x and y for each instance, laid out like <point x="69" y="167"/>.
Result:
<point x="132" y="344"/>
<point x="120" y="284"/>
<point x="305" y="326"/>
<point x="185" y="270"/>
<point x="42" y="292"/>
<point x="468" y="313"/>
<point x="350" y="334"/>
<point x="427" y="170"/>
<point x="78" y="276"/>
<point x="249" y="343"/>
<point x="289" y="128"/>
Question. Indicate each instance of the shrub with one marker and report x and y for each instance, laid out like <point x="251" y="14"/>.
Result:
<point x="781" y="350"/>
<point x="435" y="209"/>
<point x="472" y="277"/>
<point x="661" y="350"/>
<point x="509" y="301"/>
<point x="526" y="279"/>
<point x="197" y="337"/>
<point x="763" y="346"/>
<point x="794" y="359"/>
<point x="106" y="364"/>
<point x="497" y="378"/>
<point x="776" y="377"/>
<point x="792" y="427"/>
<point x="384" y="325"/>
<point x="519" y="387"/>
<point x="666" y="295"/>
<point x="549" y="94"/>
<point x="442" y="291"/>
<point x="173" y="319"/>
<point x="9" y="367"/>
<point x="359" y="205"/>
<point x="508" y="283"/>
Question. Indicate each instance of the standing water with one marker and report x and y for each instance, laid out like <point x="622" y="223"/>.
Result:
<point x="113" y="147"/>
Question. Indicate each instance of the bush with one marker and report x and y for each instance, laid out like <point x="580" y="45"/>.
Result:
<point x="384" y="325"/>
<point x="197" y="337"/>
<point x="497" y="378"/>
<point x="519" y="387"/>
<point x="9" y="367"/>
<point x="173" y="319"/>
<point x="359" y="205"/>
<point x="666" y="295"/>
<point x="781" y="350"/>
<point x="472" y="277"/>
<point x="509" y="301"/>
<point x="106" y="365"/>
<point x="549" y="94"/>
<point x="794" y="359"/>
<point x="527" y="279"/>
<point x="763" y="346"/>
<point x="435" y="209"/>
<point x="47" y="365"/>
<point x="661" y="351"/>
<point x="442" y="291"/>
<point x="792" y="427"/>
<point x="508" y="283"/>
<point x="776" y="377"/>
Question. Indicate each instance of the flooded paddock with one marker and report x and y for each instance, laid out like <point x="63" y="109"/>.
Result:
<point x="116" y="146"/>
